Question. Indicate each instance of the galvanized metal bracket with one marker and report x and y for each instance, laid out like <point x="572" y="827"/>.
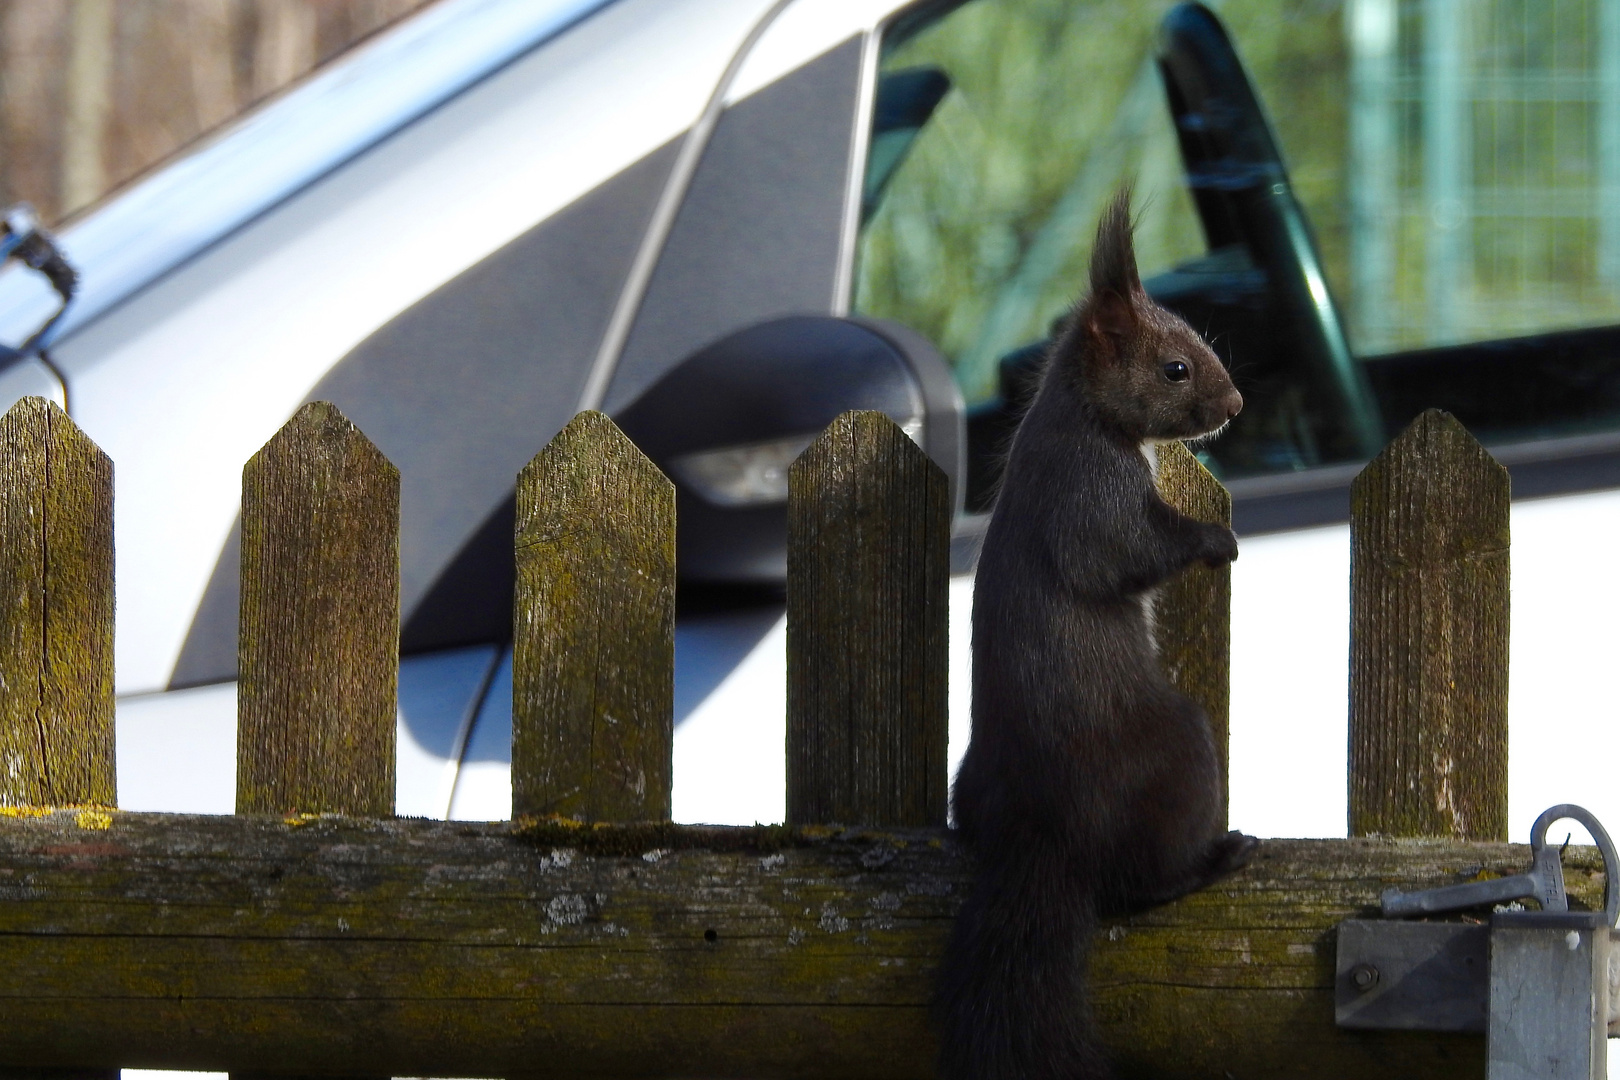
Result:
<point x="1401" y="976"/>
<point x="1543" y="986"/>
<point x="1551" y="1003"/>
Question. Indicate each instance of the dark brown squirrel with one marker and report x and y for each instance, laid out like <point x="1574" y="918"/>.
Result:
<point x="1091" y="786"/>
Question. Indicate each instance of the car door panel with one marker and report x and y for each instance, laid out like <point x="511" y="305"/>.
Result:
<point x="184" y="380"/>
<point x="760" y="231"/>
<point x="459" y="391"/>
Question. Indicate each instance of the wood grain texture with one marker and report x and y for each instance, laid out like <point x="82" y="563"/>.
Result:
<point x="417" y="947"/>
<point x="1429" y="637"/>
<point x="319" y="639"/>
<point x="593" y="675"/>
<point x="56" y="611"/>
<point x="1192" y="613"/>
<point x="868" y="576"/>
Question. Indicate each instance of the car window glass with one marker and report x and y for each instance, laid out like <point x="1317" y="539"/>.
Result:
<point x="1459" y="160"/>
<point x="1000" y="129"/>
<point x="1483" y="154"/>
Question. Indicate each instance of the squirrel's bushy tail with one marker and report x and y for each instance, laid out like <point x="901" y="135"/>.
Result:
<point x="1012" y="992"/>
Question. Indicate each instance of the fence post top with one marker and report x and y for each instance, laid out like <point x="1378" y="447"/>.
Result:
<point x="312" y="414"/>
<point x="37" y="406"/>
<point x="589" y="426"/>
<point x="1431" y="422"/>
<point x="1436" y="451"/>
<point x="863" y="426"/>
<point x="592" y="431"/>
<point x="860" y="420"/>
<point x="1429" y="426"/>
<point x="1183" y="479"/>
<point x="39" y="420"/>
<point x="323" y="423"/>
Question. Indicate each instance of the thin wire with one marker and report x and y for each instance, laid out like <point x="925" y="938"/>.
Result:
<point x="637" y="281"/>
<point x="450" y="777"/>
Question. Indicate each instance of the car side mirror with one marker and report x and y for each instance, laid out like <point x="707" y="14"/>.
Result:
<point x="725" y="423"/>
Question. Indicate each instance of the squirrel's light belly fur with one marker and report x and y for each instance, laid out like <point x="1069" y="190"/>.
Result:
<point x="1091" y="786"/>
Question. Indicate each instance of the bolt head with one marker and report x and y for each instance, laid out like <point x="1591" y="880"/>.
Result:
<point x="1364" y="976"/>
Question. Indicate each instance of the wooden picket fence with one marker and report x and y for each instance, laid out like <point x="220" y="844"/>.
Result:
<point x="313" y="933"/>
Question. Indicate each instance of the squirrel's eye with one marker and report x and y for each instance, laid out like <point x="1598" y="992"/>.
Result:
<point x="1176" y="371"/>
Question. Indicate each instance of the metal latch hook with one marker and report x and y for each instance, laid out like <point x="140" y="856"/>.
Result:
<point x="1544" y="882"/>
<point x="24" y="239"/>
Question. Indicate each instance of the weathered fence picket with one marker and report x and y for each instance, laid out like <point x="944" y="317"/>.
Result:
<point x="593" y="664"/>
<point x="318" y="642"/>
<point x="868" y="573"/>
<point x="1192" y="614"/>
<point x="56" y="629"/>
<point x="1429" y="637"/>
<point x="320" y="527"/>
<point x="56" y="607"/>
<point x="590" y="936"/>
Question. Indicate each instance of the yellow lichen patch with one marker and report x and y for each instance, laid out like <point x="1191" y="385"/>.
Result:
<point x="296" y="821"/>
<point x="26" y="811"/>
<point x="91" y="818"/>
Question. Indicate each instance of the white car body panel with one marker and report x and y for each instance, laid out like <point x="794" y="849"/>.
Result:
<point x="804" y="30"/>
<point x="218" y="354"/>
<point x="1290" y="672"/>
<point x="176" y="751"/>
<point x="30" y="378"/>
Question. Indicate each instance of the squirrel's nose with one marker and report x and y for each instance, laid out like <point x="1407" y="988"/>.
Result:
<point x="1234" y="404"/>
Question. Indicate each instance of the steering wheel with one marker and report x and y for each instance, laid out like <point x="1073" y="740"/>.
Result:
<point x="1241" y="189"/>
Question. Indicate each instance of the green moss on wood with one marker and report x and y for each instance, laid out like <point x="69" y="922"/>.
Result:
<point x="319" y="630"/>
<point x="1192" y="613"/>
<point x="1429" y="637"/>
<point x="593" y="679"/>
<point x="867" y="588"/>
<point x="56" y="611"/>
<point x="454" y="948"/>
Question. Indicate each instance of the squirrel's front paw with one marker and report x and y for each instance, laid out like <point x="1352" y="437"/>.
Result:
<point x="1232" y="852"/>
<point x="1220" y="546"/>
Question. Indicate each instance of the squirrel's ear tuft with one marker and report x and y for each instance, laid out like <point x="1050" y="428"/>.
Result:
<point x="1110" y="314"/>
<point x="1113" y="258"/>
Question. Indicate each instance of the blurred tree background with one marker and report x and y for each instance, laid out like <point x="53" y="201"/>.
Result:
<point x="95" y="92"/>
<point x="1459" y="161"/>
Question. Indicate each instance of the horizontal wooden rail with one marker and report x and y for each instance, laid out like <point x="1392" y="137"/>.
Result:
<point x="328" y="944"/>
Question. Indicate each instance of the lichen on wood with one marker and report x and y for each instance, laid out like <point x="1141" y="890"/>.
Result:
<point x="867" y="589"/>
<point x="318" y="645"/>
<point x="56" y="611"/>
<point x="1192" y="613"/>
<point x="1429" y="637"/>
<point x="412" y="947"/>
<point x="593" y="669"/>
